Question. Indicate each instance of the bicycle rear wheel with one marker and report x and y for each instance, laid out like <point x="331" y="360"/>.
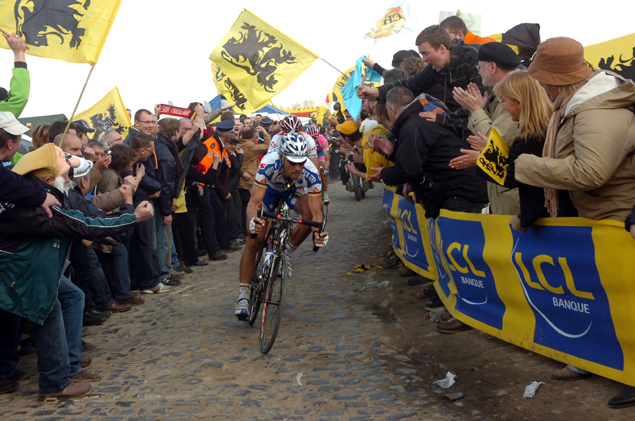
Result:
<point x="274" y="303"/>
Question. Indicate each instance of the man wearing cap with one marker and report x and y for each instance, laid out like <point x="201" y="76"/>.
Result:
<point x="397" y="58"/>
<point x="11" y="132"/>
<point x="588" y="149"/>
<point x="495" y="61"/>
<point x="34" y="248"/>
<point x="267" y="124"/>
<point x="351" y="140"/>
<point x="82" y="128"/>
<point x="449" y="64"/>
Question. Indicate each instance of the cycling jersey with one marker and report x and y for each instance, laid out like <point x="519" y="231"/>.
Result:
<point x="322" y="145"/>
<point x="275" y="142"/>
<point x="271" y="177"/>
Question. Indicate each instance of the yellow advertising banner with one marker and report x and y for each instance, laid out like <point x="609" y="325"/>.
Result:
<point x="259" y="59"/>
<point x="73" y="31"/>
<point x="108" y="113"/>
<point x="557" y="290"/>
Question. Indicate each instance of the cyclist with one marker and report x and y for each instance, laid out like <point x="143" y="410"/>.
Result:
<point x="290" y="124"/>
<point x="323" y="156"/>
<point x="284" y="174"/>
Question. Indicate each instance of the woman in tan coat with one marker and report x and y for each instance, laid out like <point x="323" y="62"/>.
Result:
<point x="588" y="149"/>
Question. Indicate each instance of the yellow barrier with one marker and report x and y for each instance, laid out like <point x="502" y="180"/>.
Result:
<point x="561" y="290"/>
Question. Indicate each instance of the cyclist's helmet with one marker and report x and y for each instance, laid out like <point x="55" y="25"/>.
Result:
<point x="291" y="123"/>
<point x="294" y="148"/>
<point x="312" y="131"/>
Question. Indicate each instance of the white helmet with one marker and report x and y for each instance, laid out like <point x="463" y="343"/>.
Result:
<point x="294" y="148"/>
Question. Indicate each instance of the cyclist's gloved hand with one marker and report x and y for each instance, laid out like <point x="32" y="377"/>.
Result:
<point x="255" y="225"/>
<point x="320" y="240"/>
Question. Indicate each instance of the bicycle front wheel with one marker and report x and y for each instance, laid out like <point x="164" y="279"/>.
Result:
<point x="274" y="303"/>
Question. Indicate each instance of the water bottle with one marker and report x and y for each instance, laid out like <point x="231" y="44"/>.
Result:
<point x="268" y="258"/>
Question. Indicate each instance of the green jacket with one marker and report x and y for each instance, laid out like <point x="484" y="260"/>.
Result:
<point x="19" y="90"/>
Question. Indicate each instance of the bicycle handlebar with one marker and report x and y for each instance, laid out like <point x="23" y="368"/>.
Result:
<point x="263" y="213"/>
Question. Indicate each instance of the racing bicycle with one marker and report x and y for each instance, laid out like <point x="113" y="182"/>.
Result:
<point x="270" y="277"/>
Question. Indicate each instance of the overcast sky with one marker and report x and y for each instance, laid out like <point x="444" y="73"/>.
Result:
<point x="158" y="50"/>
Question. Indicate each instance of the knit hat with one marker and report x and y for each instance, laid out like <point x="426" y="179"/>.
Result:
<point x="43" y="162"/>
<point x="560" y="61"/>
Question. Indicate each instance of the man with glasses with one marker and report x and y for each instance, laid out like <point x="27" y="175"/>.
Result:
<point x="495" y="62"/>
<point x="144" y="122"/>
<point x="451" y="65"/>
<point x="286" y="174"/>
<point x="111" y="138"/>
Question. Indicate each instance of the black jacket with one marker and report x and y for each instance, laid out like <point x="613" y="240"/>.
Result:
<point x="165" y="174"/>
<point x="235" y="171"/>
<point x="423" y="151"/>
<point x="462" y="71"/>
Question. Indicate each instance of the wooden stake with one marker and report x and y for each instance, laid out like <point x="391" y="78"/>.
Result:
<point x="78" y="99"/>
<point x="274" y="107"/>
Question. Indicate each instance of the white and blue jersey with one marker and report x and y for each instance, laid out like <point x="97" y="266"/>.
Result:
<point x="271" y="177"/>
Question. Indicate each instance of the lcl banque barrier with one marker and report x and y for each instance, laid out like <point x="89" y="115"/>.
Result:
<point x="565" y="289"/>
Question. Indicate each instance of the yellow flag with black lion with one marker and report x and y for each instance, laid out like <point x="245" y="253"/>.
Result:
<point x="259" y="60"/>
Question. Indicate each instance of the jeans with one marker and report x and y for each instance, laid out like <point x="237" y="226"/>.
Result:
<point x="89" y="276"/>
<point x="162" y="245"/>
<point x="245" y="195"/>
<point x="461" y="204"/>
<point x="143" y="262"/>
<point x="238" y="206"/>
<point x="115" y="266"/>
<point x="206" y="221"/>
<point x="174" y="259"/>
<point x="220" y="220"/>
<point x="71" y="299"/>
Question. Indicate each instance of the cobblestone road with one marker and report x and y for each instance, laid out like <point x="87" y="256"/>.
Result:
<point x="182" y="356"/>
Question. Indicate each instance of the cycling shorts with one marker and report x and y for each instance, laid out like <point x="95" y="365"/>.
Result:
<point x="291" y="196"/>
<point x="321" y="155"/>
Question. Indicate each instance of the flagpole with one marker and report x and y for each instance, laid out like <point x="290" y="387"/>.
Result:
<point x="332" y="66"/>
<point x="274" y="107"/>
<point x="78" y="100"/>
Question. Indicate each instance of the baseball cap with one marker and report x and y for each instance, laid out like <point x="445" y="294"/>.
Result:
<point x="11" y="125"/>
<point x="347" y="128"/>
<point x="82" y="126"/>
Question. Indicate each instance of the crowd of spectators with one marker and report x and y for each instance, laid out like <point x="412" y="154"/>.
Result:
<point x="570" y="130"/>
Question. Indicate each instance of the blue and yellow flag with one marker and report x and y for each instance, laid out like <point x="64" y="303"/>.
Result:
<point x="259" y="59"/>
<point x="230" y="91"/>
<point x="108" y="113"/>
<point x="617" y="55"/>
<point x="493" y="159"/>
<point x="68" y="30"/>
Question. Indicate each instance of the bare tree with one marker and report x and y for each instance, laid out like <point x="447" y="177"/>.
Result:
<point x="308" y="103"/>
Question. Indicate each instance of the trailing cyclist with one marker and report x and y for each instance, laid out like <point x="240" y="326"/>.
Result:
<point x="323" y="156"/>
<point x="285" y="174"/>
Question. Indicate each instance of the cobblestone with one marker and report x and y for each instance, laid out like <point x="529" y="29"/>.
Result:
<point x="182" y="356"/>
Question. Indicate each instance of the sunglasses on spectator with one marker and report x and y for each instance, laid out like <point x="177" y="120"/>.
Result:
<point x="151" y="150"/>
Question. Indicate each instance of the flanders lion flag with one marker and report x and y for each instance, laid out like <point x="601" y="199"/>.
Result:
<point x="108" y="113"/>
<point x="493" y="159"/>
<point x="617" y="55"/>
<point x="68" y="30"/>
<point x="259" y="59"/>
<point x="230" y="91"/>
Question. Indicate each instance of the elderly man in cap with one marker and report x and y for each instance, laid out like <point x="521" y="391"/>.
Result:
<point x="267" y="124"/>
<point x="589" y="146"/>
<point x="495" y="62"/>
<point x="34" y="249"/>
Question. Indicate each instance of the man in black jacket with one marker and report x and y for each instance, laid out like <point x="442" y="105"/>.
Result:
<point x="422" y="152"/>
<point x="449" y="64"/>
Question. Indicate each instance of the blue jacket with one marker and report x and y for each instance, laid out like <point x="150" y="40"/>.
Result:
<point x="165" y="174"/>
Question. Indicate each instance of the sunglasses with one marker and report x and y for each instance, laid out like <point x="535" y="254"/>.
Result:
<point x="149" y="150"/>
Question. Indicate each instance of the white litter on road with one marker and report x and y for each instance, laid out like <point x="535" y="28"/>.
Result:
<point x="530" y="390"/>
<point x="298" y="377"/>
<point x="447" y="382"/>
